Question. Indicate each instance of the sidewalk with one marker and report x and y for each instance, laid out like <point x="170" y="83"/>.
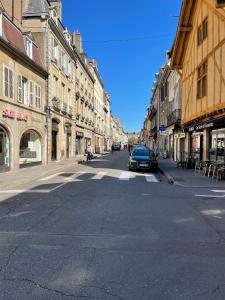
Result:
<point x="187" y="177"/>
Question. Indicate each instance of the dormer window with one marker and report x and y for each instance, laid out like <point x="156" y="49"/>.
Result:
<point x="54" y="16"/>
<point x="29" y="47"/>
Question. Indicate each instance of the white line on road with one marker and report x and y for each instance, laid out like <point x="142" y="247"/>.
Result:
<point x="218" y="191"/>
<point x="151" y="178"/>
<point x="210" y="196"/>
<point x="124" y="176"/>
<point x="99" y="176"/>
<point x="50" y="177"/>
<point x="24" y="191"/>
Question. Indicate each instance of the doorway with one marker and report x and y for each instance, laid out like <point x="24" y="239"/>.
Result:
<point x="54" y="139"/>
<point x="4" y="149"/>
<point x="68" y="141"/>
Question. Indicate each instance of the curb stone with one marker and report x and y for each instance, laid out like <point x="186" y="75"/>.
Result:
<point x="169" y="178"/>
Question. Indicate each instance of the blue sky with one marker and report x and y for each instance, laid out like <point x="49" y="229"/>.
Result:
<point x="127" y="67"/>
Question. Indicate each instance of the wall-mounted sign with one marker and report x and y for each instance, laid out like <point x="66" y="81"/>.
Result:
<point x="79" y="134"/>
<point x="14" y="115"/>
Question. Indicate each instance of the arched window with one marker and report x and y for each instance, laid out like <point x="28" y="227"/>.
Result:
<point x="30" y="148"/>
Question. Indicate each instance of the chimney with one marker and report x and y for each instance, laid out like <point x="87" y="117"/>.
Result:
<point x="77" y="41"/>
<point x="93" y="62"/>
<point x="58" y="5"/>
<point x="168" y="56"/>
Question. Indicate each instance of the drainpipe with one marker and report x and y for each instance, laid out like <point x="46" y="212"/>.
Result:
<point x="12" y="10"/>
<point x="47" y="107"/>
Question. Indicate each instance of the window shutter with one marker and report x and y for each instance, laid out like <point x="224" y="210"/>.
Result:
<point x="35" y="95"/>
<point x="39" y="96"/>
<point x="6" y="82"/>
<point x="11" y="84"/>
<point x="31" y="93"/>
<point x="19" y="88"/>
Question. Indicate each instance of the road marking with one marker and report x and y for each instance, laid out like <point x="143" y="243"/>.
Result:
<point x="99" y="176"/>
<point x="218" y="191"/>
<point x="124" y="176"/>
<point x="25" y="191"/>
<point x="151" y="178"/>
<point x="50" y="177"/>
<point x="210" y="196"/>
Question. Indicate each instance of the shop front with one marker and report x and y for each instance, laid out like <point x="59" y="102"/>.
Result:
<point x="79" y="142"/>
<point x="179" y="146"/>
<point x="87" y="140"/>
<point x="68" y="131"/>
<point x="30" y="149"/>
<point x="207" y="140"/>
<point x="54" y="143"/>
<point x="4" y="149"/>
<point x="216" y="145"/>
<point x="21" y="138"/>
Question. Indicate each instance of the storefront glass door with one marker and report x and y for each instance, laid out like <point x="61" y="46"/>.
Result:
<point x="68" y="140"/>
<point x="4" y="149"/>
<point x="54" y="145"/>
<point x="197" y="146"/>
<point x="217" y="143"/>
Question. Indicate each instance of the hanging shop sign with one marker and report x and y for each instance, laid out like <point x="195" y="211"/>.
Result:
<point x="14" y="115"/>
<point x="162" y="128"/>
<point x="207" y="125"/>
<point x="80" y="134"/>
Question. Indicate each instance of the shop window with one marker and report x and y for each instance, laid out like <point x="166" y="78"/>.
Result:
<point x="202" y="81"/>
<point x="217" y="144"/>
<point x="8" y="82"/>
<point x="30" y="148"/>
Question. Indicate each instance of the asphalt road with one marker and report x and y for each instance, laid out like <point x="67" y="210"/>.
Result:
<point x="100" y="232"/>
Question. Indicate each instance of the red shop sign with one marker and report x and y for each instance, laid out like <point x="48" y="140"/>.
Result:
<point x="12" y="115"/>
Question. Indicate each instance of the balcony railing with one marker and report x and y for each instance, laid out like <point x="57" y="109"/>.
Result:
<point x="174" y="117"/>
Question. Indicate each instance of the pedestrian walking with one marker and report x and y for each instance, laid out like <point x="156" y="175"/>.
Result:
<point x="89" y="152"/>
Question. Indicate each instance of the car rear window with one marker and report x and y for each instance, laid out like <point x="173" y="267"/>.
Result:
<point x="143" y="152"/>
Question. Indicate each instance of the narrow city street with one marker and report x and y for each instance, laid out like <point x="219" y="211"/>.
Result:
<point x="97" y="231"/>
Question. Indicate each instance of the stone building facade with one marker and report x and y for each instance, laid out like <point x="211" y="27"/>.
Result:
<point x="53" y="103"/>
<point x="107" y="122"/>
<point x="55" y="42"/>
<point x="84" y="88"/>
<point x="98" y="108"/>
<point x="22" y="96"/>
